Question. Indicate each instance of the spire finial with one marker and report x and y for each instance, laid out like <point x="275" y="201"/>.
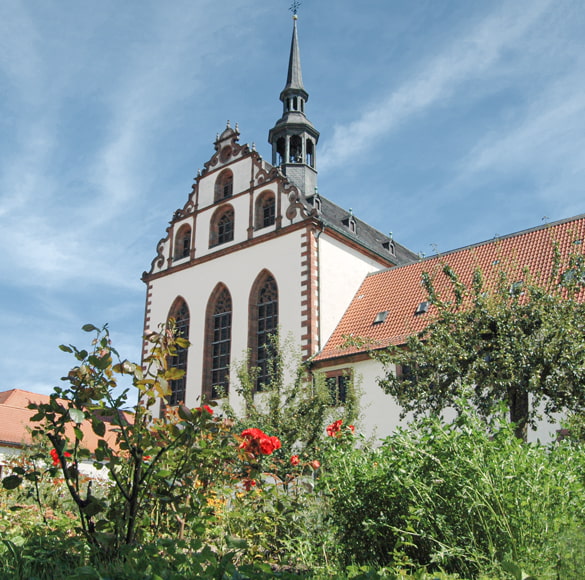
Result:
<point x="294" y="8"/>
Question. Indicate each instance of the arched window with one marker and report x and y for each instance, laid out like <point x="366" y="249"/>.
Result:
<point x="263" y="328"/>
<point x="280" y="151"/>
<point x="222" y="226"/>
<point x="182" y="242"/>
<point x="180" y="312"/>
<point x="296" y="149"/>
<point x="224" y="185"/>
<point x="218" y="338"/>
<point x="310" y="153"/>
<point x="265" y="210"/>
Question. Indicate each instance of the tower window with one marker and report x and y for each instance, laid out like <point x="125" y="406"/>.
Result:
<point x="265" y="210"/>
<point x="180" y="312"/>
<point x="218" y="343"/>
<point x="224" y="185"/>
<point x="310" y="153"/>
<point x="280" y="151"/>
<point x="222" y="226"/>
<point x="296" y="149"/>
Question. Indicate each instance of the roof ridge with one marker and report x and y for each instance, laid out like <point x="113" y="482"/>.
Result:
<point x="484" y="243"/>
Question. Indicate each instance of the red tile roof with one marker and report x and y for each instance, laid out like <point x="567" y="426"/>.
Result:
<point x="15" y="421"/>
<point x="399" y="290"/>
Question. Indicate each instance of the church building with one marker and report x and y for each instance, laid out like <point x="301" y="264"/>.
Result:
<point x="257" y="249"/>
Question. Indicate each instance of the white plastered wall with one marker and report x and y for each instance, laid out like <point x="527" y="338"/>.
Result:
<point x="380" y="413"/>
<point x="237" y="270"/>
<point x="341" y="272"/>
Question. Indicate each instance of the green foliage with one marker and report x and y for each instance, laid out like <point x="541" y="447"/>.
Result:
<point x="459" y="497"/>
<point x="490" y="344"/>
<point x="293" y="404"/>
<point x="161" y="471"/>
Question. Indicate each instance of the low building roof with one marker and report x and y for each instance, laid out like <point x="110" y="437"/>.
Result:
<point x="16" y="425"/>
<point x="395" y="294"/>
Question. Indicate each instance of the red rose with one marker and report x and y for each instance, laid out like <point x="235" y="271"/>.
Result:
<point x="204" y="408"/>
<point x="334" y="428"/>
<point x="351" y="428"/>
<point x="258" y="443"/>
<point x="55" y="456"/>
<point x="315" y="464"/>
<point x="249" y="483"/>
<point x="276" y="443"/>
<point x="294" y="460"/>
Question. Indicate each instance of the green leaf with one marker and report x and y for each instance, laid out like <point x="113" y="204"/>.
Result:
<point x="185" y="413"/>
<point x="76" y="415"/>
<point x="65" y="348"/>
<point x="237" y="543"/>
<point x="92" y="508"/>
<point x="11" y="482"/>
<point x="89" y="328"/>
<point x="99" y="427"/>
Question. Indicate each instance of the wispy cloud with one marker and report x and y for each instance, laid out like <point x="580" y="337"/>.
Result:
<point x="467" y="58"/>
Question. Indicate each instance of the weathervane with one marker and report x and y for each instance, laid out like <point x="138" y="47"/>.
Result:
<point x="294" y="7"/>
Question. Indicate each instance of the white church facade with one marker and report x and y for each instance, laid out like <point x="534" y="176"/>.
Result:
<point x="257" y="249"/>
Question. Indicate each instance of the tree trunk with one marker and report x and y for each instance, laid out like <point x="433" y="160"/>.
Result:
<point x="518" y="400"/>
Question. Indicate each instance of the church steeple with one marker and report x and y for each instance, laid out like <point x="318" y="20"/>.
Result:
<point x="293" y="137"/>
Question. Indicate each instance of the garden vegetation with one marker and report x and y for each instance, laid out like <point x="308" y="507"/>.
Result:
<point x="289" y="490"/>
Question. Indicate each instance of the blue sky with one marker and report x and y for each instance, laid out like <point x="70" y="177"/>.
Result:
<point x="446" y="123"/>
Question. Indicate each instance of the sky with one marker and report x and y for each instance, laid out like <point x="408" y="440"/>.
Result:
<point x="446" y="123"/>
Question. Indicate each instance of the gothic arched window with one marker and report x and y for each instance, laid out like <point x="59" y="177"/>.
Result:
<point x="218" y="338"/>
<point x="180" y="312"/>
<point x="182" y="242"/>
<point x="265" y="210"/>
<point x="224" y="185"/>
<point x="263" y="327"/>
<point x="222" y="226"/>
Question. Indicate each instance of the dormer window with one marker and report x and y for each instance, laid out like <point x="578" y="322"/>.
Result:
<point x="516" y="288"/>
<point x="423" y="307"/>
<point x="350" y="223"/>
<point x="224" y="185"/>
<point x="389" y="245"/>
<point x="381" y="317"/>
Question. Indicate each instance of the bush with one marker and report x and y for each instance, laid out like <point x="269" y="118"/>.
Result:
<point x="461" y="497"/>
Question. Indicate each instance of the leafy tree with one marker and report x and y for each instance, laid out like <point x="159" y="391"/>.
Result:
<point x="497" y="339"/>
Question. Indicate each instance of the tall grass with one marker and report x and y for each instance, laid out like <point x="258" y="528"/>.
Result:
<point x="462" y="497"/>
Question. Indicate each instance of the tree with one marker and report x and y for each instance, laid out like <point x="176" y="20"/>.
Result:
<point x="498" y="339"/>
<point x="293" y="403"/>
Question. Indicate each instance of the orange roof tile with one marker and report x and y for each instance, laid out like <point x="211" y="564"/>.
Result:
<point x="15" y="421"/>
<point x="399" y="290"/>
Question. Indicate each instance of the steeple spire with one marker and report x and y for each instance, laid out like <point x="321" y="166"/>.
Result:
<point x="294" y="79"/>
<point x="293" y="137"/>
